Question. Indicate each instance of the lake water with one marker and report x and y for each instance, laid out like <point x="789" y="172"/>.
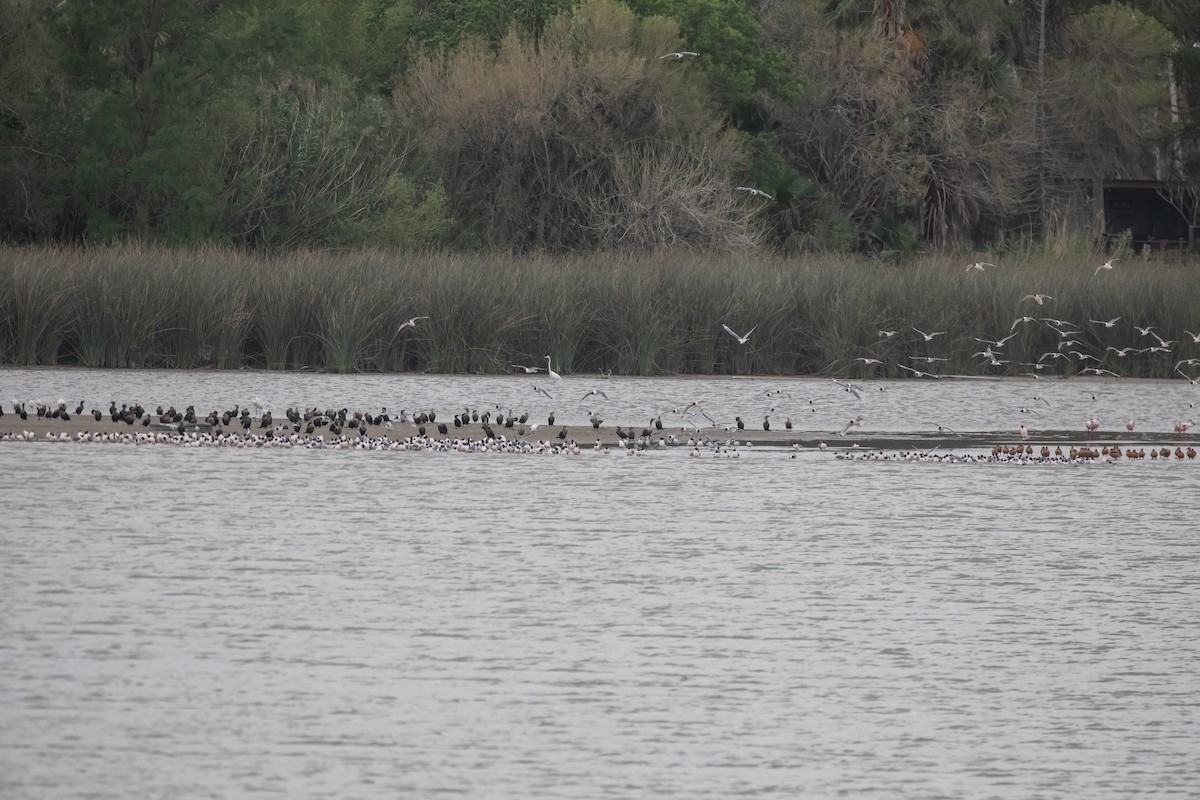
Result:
<point x="224" y="623"/>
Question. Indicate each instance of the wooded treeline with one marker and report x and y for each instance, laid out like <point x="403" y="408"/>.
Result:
<point x="557" y="126"/>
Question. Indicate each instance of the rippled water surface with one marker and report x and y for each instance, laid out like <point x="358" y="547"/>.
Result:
<point x="195" y="623"/>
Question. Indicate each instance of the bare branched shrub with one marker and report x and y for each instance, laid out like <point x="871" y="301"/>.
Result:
<point x="973" y="171"/>
<point x="310" y="167"/>
<point x="854" y="127"/>
<point x="581" y="140"/>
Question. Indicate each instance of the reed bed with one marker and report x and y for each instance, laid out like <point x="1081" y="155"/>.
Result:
<point x="148" y="307"/>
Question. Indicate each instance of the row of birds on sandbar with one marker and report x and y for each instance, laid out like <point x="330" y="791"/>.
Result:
<point x="1023" y="454"/>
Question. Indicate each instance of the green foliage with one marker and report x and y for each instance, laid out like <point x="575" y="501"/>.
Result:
<point x="313" y="166"/>
<point x="411" y="220"/>
<point x="726" y="35"/>
<point x="442" y="25"/>
<point x="415" y="124"/>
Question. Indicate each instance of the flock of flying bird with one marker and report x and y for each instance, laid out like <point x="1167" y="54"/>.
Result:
<point x="1070" y="350"/>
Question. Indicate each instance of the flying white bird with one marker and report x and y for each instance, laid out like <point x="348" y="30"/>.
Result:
<point x="1040" y="299"/>
<point x="979" y="265"/>
<point x="855" y="423"/>
<point x="849" y="387"/>
<point x="1106" y="265"/>
<point x="740" y="339"/>
<point x="412" y="323"/>
<point x="679" y="55"/>
<point x="754" y="192"/>
<point x="929" y="336"/>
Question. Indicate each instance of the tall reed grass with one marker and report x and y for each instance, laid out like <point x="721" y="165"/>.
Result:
<point x="137" y="306"/>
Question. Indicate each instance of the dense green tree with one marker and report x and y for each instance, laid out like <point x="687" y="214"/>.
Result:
<point x="412" y="123"/>
<point x="141" y="75"/>
<point x="32" y="88"/>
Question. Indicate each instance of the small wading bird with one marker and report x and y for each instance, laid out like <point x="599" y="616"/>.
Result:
<point x="733" y="333"/>
<point x="979" y="265"/>
<point x="1106" y="265"/>
<point x="412" y="323"/>
<point x="680" y="55"/>
<point x="754" y="192"/>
